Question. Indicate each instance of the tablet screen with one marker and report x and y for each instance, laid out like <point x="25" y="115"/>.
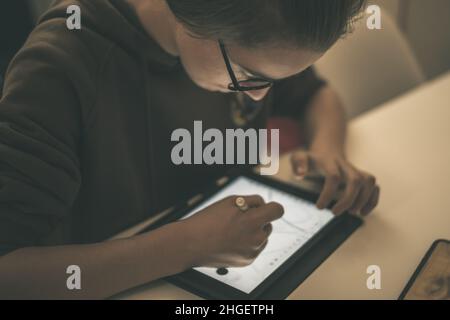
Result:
<point x="301" y="221"/>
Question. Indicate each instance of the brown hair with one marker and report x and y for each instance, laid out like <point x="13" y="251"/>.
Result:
<point x="313" y="24"/>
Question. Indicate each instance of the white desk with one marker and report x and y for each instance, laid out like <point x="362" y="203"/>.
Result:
<point x="406" y="144"/>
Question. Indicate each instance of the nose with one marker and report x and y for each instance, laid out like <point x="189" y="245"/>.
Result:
<point x="257" y="95"/>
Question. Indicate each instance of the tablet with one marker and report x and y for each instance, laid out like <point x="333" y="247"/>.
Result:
<point x="300" y="222"/>
<point x="298" y="232"/>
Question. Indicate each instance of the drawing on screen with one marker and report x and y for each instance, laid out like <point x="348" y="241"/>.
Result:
<point x="301" y="221"/>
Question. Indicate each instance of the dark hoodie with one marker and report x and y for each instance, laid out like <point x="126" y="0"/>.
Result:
<point x="85" y="124"/>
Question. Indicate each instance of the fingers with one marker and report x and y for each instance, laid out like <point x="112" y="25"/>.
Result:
<point x="353" y="186"/>
<point x="361" y="194"/>
<point x="267" y="213"/>
<point x="253" y="201"/>
<point x="250" y="255"/>
<point x="372" y="203"/>
<point x="262" y="246"/>
<point x="261" y="238"/>
<point x="332" y="181"/>
<point x="267" y="229"/>
<point x="369" y="185"/>
<point x="300" y="164"/>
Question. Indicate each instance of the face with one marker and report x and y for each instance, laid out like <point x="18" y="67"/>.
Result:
<point x="204" y="63"/>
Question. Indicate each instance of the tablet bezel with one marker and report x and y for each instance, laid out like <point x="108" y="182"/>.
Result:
<point x="208" y="287"/>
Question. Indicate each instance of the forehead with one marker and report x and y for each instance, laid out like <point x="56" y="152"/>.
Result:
<point x="273" y="62"/>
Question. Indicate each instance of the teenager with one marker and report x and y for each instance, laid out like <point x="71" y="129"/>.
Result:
<point x="86" y="119"/>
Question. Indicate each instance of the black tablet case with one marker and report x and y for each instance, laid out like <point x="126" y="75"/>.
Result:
<point x="325" y="243"/>
<point x="298" y="272"/>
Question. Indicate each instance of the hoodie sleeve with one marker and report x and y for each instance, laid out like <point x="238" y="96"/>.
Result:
<point x="40" y="130"/>
<point x="292" y="95"/>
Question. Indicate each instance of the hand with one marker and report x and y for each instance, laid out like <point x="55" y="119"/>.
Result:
<point x="224" y="236"/>
<point x="361" y="192"/>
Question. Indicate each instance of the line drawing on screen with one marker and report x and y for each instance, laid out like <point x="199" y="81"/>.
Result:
<point x="300" y="222"/>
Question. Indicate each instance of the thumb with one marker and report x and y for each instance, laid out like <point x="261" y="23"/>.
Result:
<point x="300" y="164"/>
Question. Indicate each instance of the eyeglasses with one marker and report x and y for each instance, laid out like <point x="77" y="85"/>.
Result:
<point x="242" y="85"/>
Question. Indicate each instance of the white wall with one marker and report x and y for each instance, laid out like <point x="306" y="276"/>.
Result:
<point x="426" y="25"/>
<point x="428" y="30"/>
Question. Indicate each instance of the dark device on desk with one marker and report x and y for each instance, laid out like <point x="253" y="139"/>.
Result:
<point x="301" y="240"/>
<point x="431" y="280"/>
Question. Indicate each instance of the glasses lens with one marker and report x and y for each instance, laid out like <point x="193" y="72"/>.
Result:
<point x="247" y="85"/>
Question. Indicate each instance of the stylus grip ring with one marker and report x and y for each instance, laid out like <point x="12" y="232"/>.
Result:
<point x="241" y="204"/>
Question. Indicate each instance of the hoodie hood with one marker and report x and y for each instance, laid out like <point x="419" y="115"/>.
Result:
<point x="117" y="21"/>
